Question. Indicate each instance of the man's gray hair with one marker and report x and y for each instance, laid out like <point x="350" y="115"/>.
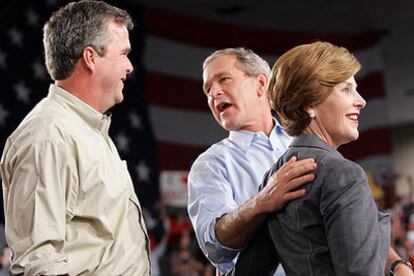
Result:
<point x="74" y="27"/>
<point x="248" y="61"/>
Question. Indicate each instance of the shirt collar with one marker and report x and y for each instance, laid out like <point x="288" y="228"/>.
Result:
<point x="275" y="134"/>
<point x="244" y="138"/>
<point x="92" y="117"/>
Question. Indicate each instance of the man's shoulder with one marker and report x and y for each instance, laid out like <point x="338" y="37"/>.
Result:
<point x="218" y="152"/>
<point x="47" y="121"/>
<point x="212" y="158"/>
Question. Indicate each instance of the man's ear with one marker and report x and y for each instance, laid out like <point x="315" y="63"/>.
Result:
<point x="263" y="81"/>
<point x="89" y="56"/>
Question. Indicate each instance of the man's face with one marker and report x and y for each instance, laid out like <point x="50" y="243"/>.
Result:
<point x="233" y="96"/>
<point x="114" y="66"/>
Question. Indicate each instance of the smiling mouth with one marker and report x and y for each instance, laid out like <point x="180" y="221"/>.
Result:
<point x="353" y="117"/>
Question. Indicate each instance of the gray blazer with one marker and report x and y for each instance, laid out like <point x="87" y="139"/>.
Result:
<point x="335" y="229"/>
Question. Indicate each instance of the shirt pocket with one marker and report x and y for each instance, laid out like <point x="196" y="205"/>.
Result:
<point x="130" y="187"/>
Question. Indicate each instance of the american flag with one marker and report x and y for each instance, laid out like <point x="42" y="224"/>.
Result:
<point x="164" y="122"/>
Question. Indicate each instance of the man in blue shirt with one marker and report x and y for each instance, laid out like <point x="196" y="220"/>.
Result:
<point x="224" y="204"/>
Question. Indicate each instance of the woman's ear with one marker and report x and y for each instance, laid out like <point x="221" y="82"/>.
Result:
<point x="311" y="111"/>
<point x="262" y="83"/>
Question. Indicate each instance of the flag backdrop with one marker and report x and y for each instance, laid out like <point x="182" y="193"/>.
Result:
<point x="164" y="122"/>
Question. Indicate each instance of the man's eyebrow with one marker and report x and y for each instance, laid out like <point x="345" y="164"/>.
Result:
<point x="215" y="76"/>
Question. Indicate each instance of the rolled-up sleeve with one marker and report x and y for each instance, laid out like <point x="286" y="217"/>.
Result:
<point x="38" y="196"/>
<point x="210" y="196"/>
<point x="354" y="232"/>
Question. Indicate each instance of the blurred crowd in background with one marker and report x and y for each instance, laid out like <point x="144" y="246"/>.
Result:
<point x="174" y="248"/>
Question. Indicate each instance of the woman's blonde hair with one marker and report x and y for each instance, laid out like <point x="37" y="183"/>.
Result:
<point x="304" y="76"/>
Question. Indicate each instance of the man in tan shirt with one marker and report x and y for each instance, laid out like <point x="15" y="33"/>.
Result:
<point x="70" y="205"/>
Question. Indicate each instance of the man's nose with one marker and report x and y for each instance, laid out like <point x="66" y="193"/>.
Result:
<point x="215" y="90"/>
<point x="130" y="67"/>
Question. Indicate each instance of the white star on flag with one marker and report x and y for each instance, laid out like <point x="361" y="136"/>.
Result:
<point x="32" y="18"/>
<point x="135" y="120"/>
<point x="122" y="142"/>
<point x="22" y="92"/>
<point x="3" y="115"/>
<point x="142" y="171"/>
<point x="39" y="70"/>
<point x="16" y="37"/>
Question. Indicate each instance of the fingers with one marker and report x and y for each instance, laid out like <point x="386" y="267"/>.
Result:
<point x="292" y="160"/>
<point x="293" y="169"/>
<point x="293" y="174"/>
<point x="282" y="186"/>
<point x="294" y="195"/>
<point x="299" y="181"/>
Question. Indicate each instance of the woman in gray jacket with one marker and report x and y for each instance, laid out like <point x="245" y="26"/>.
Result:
<point x="336" y="228"/>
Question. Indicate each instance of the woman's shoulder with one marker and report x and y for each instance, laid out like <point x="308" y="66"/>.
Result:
<point x="338" y="164"/>
<point x="331" y="164"/>
<point x="338" y="174"/>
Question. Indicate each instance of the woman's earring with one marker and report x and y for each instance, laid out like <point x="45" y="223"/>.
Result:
<point x="312" y="115"/>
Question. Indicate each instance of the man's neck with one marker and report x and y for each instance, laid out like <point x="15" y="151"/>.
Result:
<point x="80" y="88"/>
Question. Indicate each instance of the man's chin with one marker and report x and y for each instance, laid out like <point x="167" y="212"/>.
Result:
<point x="119" y="99"/>
<point x="228" y="127"/>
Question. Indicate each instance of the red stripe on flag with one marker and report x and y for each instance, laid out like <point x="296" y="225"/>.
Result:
<point x="180" y="93"/>
<point x="372" y="85"/>
<point x="172" y="156"/>
<point x="370" y="142"/>
<point x="214" y="34"/>
<point x="170" y="91"/>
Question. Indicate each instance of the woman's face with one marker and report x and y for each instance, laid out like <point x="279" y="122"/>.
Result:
<point x="336" y="118"/>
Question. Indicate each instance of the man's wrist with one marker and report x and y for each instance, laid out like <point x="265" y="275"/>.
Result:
<point x="399" y="262"/>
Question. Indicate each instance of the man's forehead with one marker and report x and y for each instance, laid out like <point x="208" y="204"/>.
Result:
<point x="220" y="65"/>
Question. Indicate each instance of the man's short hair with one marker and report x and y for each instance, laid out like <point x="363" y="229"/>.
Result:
<point x="248" y="61"/>
<point x="74" y="27"/>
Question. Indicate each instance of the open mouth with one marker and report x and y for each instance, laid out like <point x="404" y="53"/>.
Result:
<point x="223" y="106"/>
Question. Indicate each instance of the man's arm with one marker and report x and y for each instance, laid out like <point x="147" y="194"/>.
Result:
<point x="236" y="228"/>
<point x="35" y="207"/>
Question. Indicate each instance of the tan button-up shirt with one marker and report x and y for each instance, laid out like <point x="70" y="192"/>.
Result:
<point x="69" y="201"/>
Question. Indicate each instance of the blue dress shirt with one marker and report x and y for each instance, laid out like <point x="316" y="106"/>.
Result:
<point x="226" y="176"/>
